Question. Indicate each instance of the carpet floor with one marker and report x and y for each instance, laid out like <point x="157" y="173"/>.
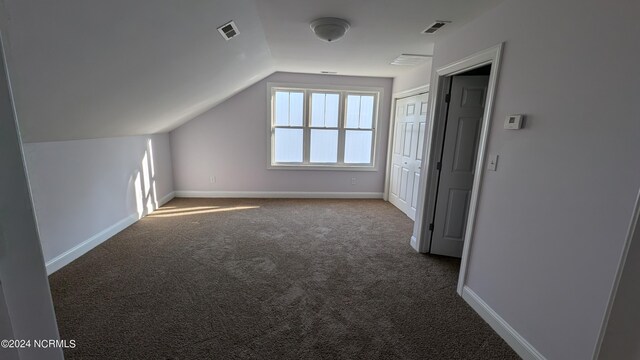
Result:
<point x="268" y="279"/>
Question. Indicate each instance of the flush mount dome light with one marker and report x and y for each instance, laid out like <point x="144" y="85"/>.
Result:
<point x="330" y="29"/>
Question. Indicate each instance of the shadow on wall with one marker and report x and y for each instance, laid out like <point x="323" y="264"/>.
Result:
<point x="144" y="183"/>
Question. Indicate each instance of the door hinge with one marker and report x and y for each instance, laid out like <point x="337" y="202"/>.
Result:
<point x="431" y="227"/>
<point x="439" y="165"/>
<point x="447" y="98"/>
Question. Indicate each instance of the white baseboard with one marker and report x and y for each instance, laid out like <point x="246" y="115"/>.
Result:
<point x="279" y="194"/>
<point x="519" y="344"/>
<point x="68" y="256"/>
<point x="167" y="198"/>
<point x="414" y="243"/>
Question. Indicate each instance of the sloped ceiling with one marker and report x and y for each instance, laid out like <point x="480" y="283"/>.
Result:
<point x="89" y="69"/>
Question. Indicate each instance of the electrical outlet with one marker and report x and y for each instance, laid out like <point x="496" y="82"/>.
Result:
<point x="353" y="181"/>
<point x="212" y="179"/>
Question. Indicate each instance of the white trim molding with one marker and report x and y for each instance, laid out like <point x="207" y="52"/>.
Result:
<point x="517" y="342"/>
<point x="411" y="92"/>
<point x="307" y="90"/>
<point x="634" y="225"/>
<point x="490" y="56"/>
<point x="392" y="129"/>
<point x="75" y="252"/>
<point x="278" y="194"/>
<point x="426" y="203"/>
<point x="167" y="198"/>
<point x="414" y="243"/>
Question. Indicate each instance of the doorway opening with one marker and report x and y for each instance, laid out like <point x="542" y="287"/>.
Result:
<point x="463" y="107"/>
<point x="454" y="156"/>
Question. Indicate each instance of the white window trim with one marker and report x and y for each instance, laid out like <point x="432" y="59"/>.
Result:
<point x="306" y="88"/>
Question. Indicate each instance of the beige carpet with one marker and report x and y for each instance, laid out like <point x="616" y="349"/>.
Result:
<point x="268" y="279"/>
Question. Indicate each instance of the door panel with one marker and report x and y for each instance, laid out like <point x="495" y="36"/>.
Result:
<point x="456" y="211"/>
<point x="395" y="180"/>
<point x="408" y="141"/>
<point x="421" y="133"/>
<point x="411" y="109"/>
<point x="414" y="192"/>
<point x="473" y="97"/>
<point x="466" y="147"/>
<point x="397" y="143"/>
<point x="404" y="179"/>
<point x="459" y="152"/>
<point x="408" y="134"/>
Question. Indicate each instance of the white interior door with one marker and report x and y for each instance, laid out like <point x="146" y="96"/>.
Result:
<point x="457" y="168"/>
<point x="408" y="141"/>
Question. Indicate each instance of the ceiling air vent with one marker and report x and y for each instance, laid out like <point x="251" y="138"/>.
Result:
<point x="229" y="30"/>
<point x="410" y="59"/>
<point x="435" y="26"/>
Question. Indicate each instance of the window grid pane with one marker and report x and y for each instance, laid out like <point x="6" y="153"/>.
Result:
<point x="288" y="145"/>
<point x="282" y="108"/>
<point x="324" y="110"/>
<point x="296" y="108"/>
<point x="324" y="146"/>
<point x="357" y="146"/>
<point x="366" y="112"/>
<point x="332" y="109"/>
<point x="317" y="109"/>
<point x="353" y="111"/>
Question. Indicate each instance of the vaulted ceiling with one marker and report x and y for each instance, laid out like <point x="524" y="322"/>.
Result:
<point x="89" y="69"/>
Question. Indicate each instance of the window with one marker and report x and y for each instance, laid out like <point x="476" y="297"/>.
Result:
<point x="322" y="127"/>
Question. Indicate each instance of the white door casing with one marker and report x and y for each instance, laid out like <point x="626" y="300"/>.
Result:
<point x="408" y="141"/>
<point x="457" y="169"/>
<point x="421" y="238"/>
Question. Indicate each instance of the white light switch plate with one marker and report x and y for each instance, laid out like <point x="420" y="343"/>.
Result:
<point x="493" y="163"/>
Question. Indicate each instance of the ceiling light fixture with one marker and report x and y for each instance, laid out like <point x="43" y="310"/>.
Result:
<point x="330" y="29"/>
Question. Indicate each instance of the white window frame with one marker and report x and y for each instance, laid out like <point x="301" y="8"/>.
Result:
<point x="306" y="125"/>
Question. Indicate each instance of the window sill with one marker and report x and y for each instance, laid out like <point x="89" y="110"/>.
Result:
<point x="322" y="167"/>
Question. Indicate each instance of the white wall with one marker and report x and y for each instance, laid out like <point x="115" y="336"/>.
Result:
<point x="413" y="78"/>
<point x="25" y="287"/>
<point x="230" y="143"/>
<point x="552" y="220"/>
<point x="84" y="191"/>
<point x="622" y="336"/>
<point x="6" y="330"/>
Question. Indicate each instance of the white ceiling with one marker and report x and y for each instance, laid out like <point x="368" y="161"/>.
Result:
<point x="90" y="69"/>
<point x="380" y="31"/>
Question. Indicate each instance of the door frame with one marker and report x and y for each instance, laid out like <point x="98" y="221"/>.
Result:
<point x="392" y="128"/>
<point x="421" y="239"/>
<point x="634" y="227"/>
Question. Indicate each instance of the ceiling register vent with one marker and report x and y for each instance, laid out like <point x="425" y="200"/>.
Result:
<point x="410" y="59"/>
<point x="435" y="26"/>
<point x="229" y="30"/>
